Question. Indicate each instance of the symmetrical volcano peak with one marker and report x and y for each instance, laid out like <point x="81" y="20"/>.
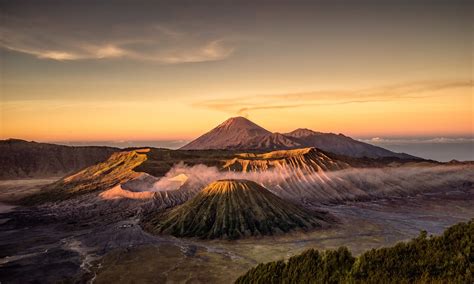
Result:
<point x="232" y="209"/>
<point x="233" y="133"/>
<point x="239" y="133"/>
<point x="240" y="122"/>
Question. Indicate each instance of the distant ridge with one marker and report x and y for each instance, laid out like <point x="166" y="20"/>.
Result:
<point x="24" y="159"/>
<point x="341" y="145"/>
<point x="239" y="133"/>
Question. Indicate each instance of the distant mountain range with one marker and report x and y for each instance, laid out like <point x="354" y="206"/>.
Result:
<point x="24" y="159"/>
<point x="239" y="133"/>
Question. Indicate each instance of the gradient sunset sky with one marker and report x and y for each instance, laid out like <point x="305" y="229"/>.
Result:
<point x="144" y="70"/>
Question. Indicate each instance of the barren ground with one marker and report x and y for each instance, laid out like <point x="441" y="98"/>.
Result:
<point x="44" y="244"/>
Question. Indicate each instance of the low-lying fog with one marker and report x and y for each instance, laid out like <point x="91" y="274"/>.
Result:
<point x="322" y="186"/>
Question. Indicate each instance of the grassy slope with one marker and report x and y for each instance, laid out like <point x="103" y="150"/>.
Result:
<point x="232" y="209"/>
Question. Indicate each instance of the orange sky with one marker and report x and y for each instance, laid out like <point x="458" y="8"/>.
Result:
<point x="446" y="112"/>
<point x="174" y="72"/>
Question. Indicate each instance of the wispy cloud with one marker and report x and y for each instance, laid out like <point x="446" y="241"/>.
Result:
<point x="143" y="41"/>
<point x="406" y="141"/>
<point x="405" y="90"/>
<point x="412" y="90"/>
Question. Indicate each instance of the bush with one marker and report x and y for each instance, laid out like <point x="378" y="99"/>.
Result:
<point x="448" y="258"/>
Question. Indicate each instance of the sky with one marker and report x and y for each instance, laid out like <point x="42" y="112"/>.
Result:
<point x="172" y="70"/>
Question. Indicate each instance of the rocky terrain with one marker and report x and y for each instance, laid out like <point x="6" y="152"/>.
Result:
<point x="306" y="160"/>
<point x="305" y="175"/>
<point x="88" y="239"/>
<point x="88" y="225"/>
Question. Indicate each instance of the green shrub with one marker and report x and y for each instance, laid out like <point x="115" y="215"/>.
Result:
<point x="448" y="258"/>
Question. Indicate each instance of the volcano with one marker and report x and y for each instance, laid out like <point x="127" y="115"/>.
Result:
<point x="239" y="133"/>
<point x="234" y="133"/>
<point x="231" y="209"/>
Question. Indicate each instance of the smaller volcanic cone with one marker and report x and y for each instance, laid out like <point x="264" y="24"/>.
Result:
<point x="231" y="209"/>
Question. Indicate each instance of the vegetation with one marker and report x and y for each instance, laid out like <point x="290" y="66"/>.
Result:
<point x="448" y="258"/>
<point x="231" y="209"/>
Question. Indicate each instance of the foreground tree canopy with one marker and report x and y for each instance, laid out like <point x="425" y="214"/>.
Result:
<point x="448" y="258"/>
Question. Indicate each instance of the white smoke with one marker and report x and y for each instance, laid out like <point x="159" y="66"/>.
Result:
<point x="200" y="175"/>
<point x="348" y="184"/>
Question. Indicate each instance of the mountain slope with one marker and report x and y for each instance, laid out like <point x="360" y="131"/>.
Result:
<point x="341" y="144"/>
<point x="306" y="160"/>
<point x="118" y="169"/>
<point x="232" y="209"/>
<point x="233" y="133"/>
<point x="273" y="141"/>
<point x="23" y="159"/>
<point x="239" y="133"/>
<point x="119" y="178"/>
<point x="302" y="175"/>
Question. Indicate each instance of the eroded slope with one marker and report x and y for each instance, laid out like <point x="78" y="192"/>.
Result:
<point x="232" y="209"/>
<point x="119" y="168"/>
<point x="307" y="160"/>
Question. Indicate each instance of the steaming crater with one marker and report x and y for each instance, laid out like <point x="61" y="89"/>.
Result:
<point x="170" y="183"/>
<point x="146" y="187"/>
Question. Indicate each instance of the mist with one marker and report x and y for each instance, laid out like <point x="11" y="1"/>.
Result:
<point x="200" y="175"/>
<point x="335" y="186"/>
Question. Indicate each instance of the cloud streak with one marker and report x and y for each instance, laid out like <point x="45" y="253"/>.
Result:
<point x="148" y="41"/>
<point x="405" y="141"/>
<point x="412" y="90"/>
